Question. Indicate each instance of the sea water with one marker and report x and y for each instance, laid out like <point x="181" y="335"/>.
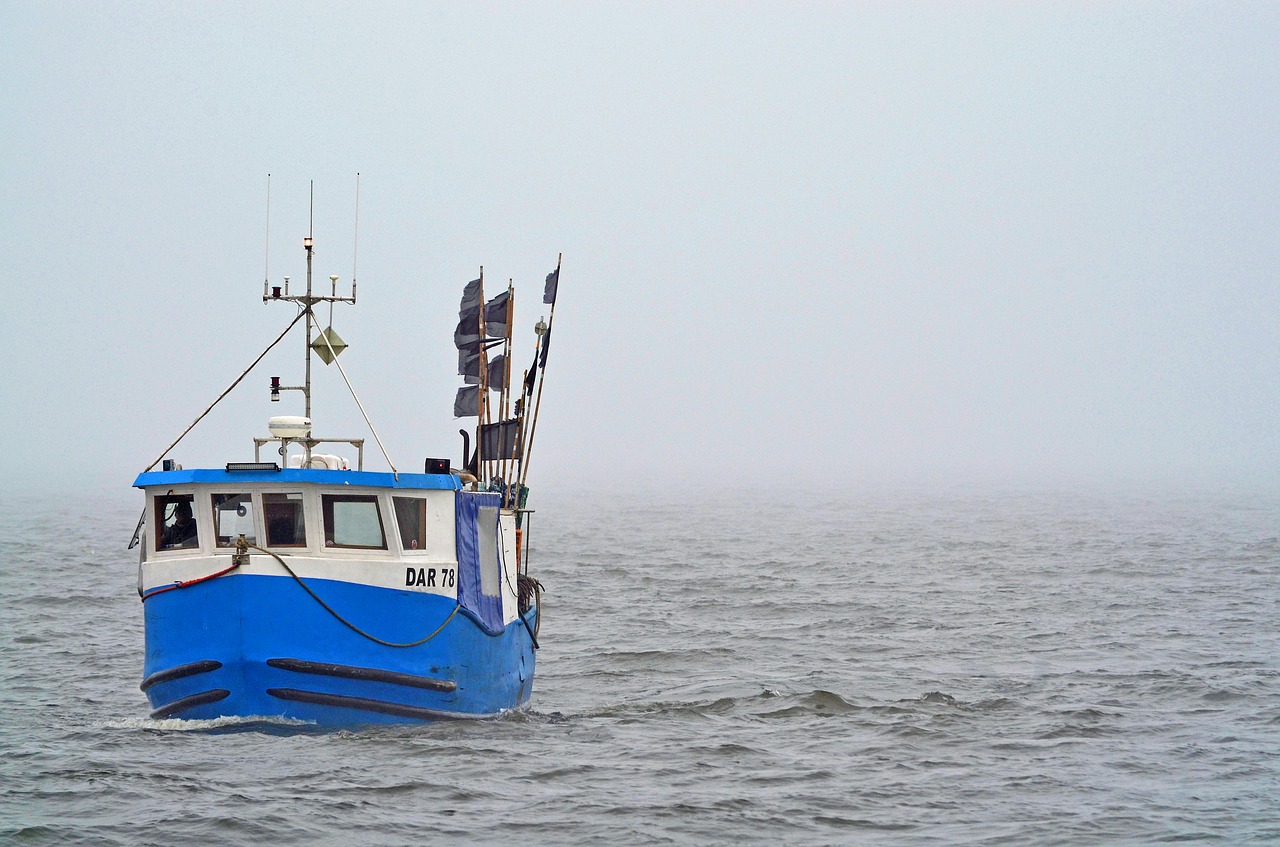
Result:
<point x="1008" y="666"/>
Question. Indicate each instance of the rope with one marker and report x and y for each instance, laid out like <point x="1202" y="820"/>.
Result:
<point x="502" y="559"/>
<point x="529" y="585"/>
<point x="137" y="531"/>
<point x="537" y="603"/>
<point x="368" y="422"/>
<point x="537" y="590"/>
<point x="236" y="562"/>
<point x="200" y="417"/>
<point x="346" y="622"/>
<point x="190" y="582"/>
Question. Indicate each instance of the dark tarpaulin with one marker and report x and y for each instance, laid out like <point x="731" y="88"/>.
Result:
<point x="480" y="558"/>
<point x="501" y="440"/>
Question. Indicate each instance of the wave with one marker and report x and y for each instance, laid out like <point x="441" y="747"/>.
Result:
<point x="764" y="705"/>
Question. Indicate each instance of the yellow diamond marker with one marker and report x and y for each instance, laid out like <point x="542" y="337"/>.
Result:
<point x="322" y="349"/>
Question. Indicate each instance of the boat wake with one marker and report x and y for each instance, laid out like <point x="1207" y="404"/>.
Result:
<point x="249" y="723"/>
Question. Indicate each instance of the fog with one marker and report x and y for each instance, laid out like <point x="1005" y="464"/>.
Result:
<point x="825" y="244"/>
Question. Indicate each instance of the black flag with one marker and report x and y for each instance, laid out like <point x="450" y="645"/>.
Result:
<point x="495" y="316"/>
<point x="531" y="376"/>
<point x="467" y="403"/>
<point x="553" y="281"/>
<point x="498" y="373"/>
<point x="470" y="296"/>
<point x="467" y="335"/>
<point x="468" y="363"/>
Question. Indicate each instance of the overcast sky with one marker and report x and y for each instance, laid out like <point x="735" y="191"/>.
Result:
<point x="835" y="242"/>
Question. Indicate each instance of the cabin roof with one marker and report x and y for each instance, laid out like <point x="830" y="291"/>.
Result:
<point x="294" y="476"/>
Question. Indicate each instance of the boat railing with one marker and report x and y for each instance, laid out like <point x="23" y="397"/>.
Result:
<point x="309" y="444"/>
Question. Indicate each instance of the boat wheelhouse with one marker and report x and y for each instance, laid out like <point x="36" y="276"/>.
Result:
<point x="371" y="597"/>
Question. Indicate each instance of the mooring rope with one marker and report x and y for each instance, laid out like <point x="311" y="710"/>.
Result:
<point x="240" y="557"/>
<point x="190" y="582"/>
<point x="343" y="620"/>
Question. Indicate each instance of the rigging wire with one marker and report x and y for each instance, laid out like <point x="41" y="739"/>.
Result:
<point x="238" y="379"/>
<point x="368" y="422"/>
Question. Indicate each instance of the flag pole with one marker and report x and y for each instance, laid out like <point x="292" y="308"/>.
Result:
<point x="484" y="387"/>
<point x="506" y="380"/>
<point x="526" y="395"/>
<point x="537" y="406"/>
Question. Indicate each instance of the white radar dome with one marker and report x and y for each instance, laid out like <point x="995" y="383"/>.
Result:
<point x="289" y="426"/>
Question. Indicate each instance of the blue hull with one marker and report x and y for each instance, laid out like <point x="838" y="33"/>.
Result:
<point x="249" y="645"/>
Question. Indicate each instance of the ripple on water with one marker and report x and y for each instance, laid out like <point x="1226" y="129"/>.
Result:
<point x="1008" y="667"/>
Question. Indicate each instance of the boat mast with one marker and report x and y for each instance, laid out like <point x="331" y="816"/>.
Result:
<point x="306" y="303"/>
<point x="307" y="243"/>
<point x="482" y="409"/>
<point x="544" y="341"/>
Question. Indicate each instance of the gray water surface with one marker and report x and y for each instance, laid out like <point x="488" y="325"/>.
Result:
<point x="1020" y="667"/>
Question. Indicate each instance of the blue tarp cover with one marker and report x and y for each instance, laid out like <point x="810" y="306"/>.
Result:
<point x="472" y="532"/>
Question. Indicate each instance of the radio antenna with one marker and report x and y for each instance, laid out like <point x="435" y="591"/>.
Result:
<point x="355" y="246"/>
<point x="266" y="249"/>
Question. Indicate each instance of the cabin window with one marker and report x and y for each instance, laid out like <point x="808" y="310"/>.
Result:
<point x="411" y="517"/>
<point x="175" y="522"/>
<point x="352" y="520"/>
<point x="233" y="517"/>
<point x="285" y="524"/>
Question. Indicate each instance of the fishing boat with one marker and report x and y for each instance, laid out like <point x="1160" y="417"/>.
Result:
<point x="306" y="587"/>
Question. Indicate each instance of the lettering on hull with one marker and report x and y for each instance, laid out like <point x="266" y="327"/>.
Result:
<point x="430" y="577"/>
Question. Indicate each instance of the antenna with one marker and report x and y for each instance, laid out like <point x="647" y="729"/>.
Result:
<point x="355" y="246"/>
<point x="311" y="224"/>
<point x="266" y="249"/>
